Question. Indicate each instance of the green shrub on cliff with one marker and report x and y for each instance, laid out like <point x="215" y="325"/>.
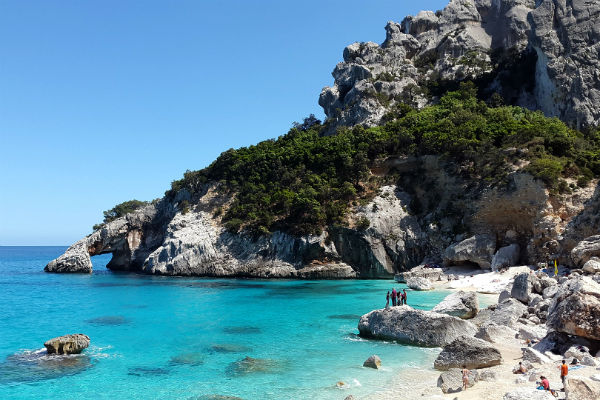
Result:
<point x="302" y="181"/>
<point x="120" y="210"/>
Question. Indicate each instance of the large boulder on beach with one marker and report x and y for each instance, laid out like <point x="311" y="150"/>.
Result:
<point x="67" y="344"/>
<point x="581" y="388"/>
<point x="521" y="289"/>
<point x="495" y="333"/>
<point x="507" y="313"/>
<point x="586" y="249"/>
<point x="506" y="256"/>
<point x="460" y="304"/>
<point x="451" y="381"/>
<point x="417" y="283"/>
<point x="575" y="309"/>
<point x="469" y="351"/>
<point x="478" y="249"/>
<point x="412" y="326"/>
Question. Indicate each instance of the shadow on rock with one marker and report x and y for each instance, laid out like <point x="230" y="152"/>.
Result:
<point x="108" y="320"/>
<point x="34" y="366"/>
<point x="249" y="365"/>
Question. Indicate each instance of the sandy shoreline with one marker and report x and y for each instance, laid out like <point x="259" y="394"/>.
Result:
<point x="421" y="383"/>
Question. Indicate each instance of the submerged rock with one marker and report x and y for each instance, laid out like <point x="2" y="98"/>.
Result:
<point x="35" y="366"/>
<point x="249" y="365"/>
<point x="469" y="351"/>
<point x="229" y="348"/>
<point x="459" y="304"/>
<point x="417" y="327"/>
<point x="67" y="344"/>
<point x="109" y="320"/>
<point x="192" y="359"/>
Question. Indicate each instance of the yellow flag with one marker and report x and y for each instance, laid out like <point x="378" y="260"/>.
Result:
<point x="555" y="268"/>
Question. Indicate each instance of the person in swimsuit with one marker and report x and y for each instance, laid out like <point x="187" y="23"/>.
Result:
<point x="465" y="377"/>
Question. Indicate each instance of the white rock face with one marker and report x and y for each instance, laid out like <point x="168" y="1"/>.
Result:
<point x="417" y="327"/>
<point x="419" y="284"/>
<point x="477" y="249"/>
<point x="459" y="304"/>
<point x="560" y="37"/>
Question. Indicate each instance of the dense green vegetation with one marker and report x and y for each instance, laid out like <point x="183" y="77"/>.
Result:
<point x="302" y="181"/>
<point x="120" y="210"/>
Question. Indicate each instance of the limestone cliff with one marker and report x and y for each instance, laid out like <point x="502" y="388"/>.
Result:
<point x="540" y="54"/>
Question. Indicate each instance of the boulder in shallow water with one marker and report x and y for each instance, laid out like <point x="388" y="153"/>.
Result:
<point x="67" y="344"/>
<point x="469" y="351"/>
<point x="373" y="362"/>
<point x="417" y="283"/>
<point x="575" y="309"/>
<point x="416" y="327"/>
<point x="459" y="304"/>
<point x="451" y="381"/>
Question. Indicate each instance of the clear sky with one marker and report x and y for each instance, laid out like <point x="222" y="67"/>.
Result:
<point x="106" y="101"/>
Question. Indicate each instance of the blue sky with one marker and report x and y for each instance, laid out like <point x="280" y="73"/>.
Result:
<point x="106" y="101"/>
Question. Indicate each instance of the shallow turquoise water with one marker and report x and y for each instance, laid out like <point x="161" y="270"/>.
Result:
<point x="178" y="338"/>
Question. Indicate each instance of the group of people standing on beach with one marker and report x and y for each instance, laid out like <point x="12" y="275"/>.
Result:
<point x="398" y="298"/>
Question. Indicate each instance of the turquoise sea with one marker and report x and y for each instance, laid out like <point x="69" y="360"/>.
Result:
<point x="185" y="338"/>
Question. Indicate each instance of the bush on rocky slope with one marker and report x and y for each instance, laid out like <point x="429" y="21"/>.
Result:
<point x="302" y="181"/>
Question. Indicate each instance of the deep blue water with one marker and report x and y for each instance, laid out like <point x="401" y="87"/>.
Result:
<point x="182" y="338"/>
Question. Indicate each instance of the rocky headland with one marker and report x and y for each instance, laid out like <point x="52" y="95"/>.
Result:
<point x="402" y="209"/>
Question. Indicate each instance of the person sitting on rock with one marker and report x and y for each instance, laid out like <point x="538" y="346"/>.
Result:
<point x="521" y="369"/>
